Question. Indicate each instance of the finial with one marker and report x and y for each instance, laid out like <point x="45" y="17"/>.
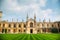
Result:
<point x="27" y="17"/>
<point x="44" y="20"/>
<point x="17" y="20"/>
<point x="12" y="19"/>
<point x="22" y="20"/>
<point x="49" y="20"/>
<point x="34" y="16"/>
<point x="39" y="20"/>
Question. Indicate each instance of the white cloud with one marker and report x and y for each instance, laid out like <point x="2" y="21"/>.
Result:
<point x="47" y="12"/>
<point x="43" y="3"/>
<point x="14" y="6"/>
<point x="33" y="7"/>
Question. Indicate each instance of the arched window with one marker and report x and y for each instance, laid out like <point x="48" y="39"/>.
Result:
<point x="52" y="25"/>
<point x="14" y="30"/>
<point x="9" y="25"/>
<point x="44" y="29"/>
<point x="9" y="30"/>
<point x="31" y="24"/>
<point x="48" y="25"/>
<point x="19" y="25"/>
<point x="37" y="30"/>
<point x="24" y="30"/>
<point x="19" y="30"/>
<point x="24" y="26"/>
<point x="14" y="25"/>
<point x="3" y="25"/>
<point x="43" y="25"/>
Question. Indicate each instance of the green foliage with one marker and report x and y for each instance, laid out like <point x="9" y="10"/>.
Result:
<point x="54" y="30"/>
<point x="50" y="36"/>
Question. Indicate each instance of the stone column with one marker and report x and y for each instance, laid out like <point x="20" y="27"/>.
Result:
<point x="46" y="30"/>
<point x="41" y="30"/>
<point x="22" y="27"/>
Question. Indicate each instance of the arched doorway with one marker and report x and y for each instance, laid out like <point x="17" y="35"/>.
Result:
<point x="31" y="30"/>
<point x="4" y="30"/>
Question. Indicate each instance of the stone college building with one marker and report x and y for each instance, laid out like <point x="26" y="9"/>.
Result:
<point x="30" y="26"/>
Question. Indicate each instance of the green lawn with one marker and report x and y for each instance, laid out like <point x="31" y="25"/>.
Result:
<point x="29" y="36"/>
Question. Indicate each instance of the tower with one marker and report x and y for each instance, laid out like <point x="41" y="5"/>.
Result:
<point x="12" y="19"/>
<point x="22" y="20"/>
<point x="27" y="17"/>
<point x="0" y="15"/>
<point x="44" y="20"/>
<point x="39" y="20"/>
<point x="35" y="25"/>
<point x="49" y="21"/>
<point x="17" y="20"/>
<point x="34" y="17"/>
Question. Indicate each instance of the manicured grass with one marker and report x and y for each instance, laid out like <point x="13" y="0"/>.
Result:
<point x="29" y="36"/>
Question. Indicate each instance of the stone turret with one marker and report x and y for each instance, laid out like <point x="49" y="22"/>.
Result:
<point x="0" y="15"/>
<point x="44" y="20"/>
<point x="27" y="17"/>
<point x="12" y="19"/>
<point x="49" y="20"/>
<point x="34" y="17"/>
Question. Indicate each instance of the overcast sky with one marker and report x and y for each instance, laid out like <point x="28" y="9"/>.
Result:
<point x="18" y="9"/>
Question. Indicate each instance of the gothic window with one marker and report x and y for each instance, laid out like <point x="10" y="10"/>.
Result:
<point x="37" y="30"/>
<point x="24" y="30"/>
<point x="44" y="29"/>
<point x="14" y="30"/>
<point x="9" y="25"/>
<point x="24" y="26"/>
<point x="14" y="25"/>
<point x="47" y="24"/>
<point x="9" y="30"/>
<point x="3" y="25"/>
<point x="43" y="25"/>
<point x="52" y="25"/>
<point x="19" y="30"/>
<point x="19" y="25"/>
<point x="31" y="24"/>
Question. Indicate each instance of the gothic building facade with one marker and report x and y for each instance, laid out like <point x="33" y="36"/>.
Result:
<point x="30" y="26"/>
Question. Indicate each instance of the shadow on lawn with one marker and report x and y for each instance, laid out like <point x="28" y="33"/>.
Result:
<point x="1" y="37"/>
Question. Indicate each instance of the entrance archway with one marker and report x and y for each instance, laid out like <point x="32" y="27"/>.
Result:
<point x="31" y="30"/>
<point x="4" y="30"/>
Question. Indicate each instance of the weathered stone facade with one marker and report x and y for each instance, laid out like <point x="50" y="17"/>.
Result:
<point x="30" y="26"/>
